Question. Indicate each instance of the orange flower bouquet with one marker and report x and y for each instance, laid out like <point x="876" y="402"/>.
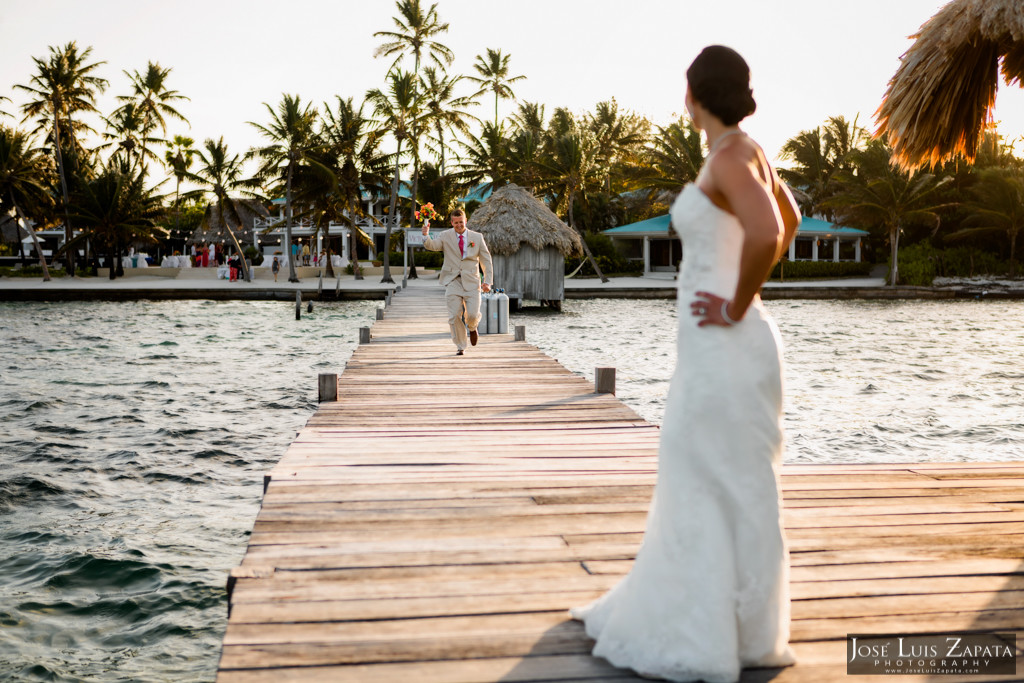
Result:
<point x="427" y="213"/>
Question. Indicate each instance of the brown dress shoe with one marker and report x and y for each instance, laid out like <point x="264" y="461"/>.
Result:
<point x="473" y="336"/>
<point x="459" y="352"/>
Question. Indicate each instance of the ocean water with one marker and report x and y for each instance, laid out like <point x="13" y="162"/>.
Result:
<point x="133" y="442"/>
<point x="134" y="438"/>
<point x="865" y="381"/>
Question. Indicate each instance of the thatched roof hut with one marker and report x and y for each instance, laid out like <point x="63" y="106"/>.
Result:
<point x="511" y="220"/>
<point x="940" y="99"/>
<point x="213" y="227"/>
<point x="512" y="216"/>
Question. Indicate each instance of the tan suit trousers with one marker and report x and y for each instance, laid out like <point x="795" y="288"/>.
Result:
<point x="462" y="306"/>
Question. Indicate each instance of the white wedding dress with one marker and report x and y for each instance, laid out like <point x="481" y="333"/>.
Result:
<point x="709" y="592"/>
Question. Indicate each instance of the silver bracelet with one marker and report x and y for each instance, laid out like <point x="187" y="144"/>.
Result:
<point x="725" y="314"/>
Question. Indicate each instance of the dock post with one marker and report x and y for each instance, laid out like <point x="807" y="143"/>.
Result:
<point x="327" y="387"/>
<point x="520" y="333"/>
<point x="380" y="314"/>
<point x="604" y="380"/>
<point x="364" y="335"/>
<point x="337" y="288"/>
<point x="298" y="305"/>
<point x="320" y="286"/>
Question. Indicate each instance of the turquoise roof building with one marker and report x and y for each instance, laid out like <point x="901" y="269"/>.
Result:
<point x="816" y="240"/>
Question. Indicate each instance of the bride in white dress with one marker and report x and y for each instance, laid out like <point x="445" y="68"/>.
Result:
<point x="709" y="592"/>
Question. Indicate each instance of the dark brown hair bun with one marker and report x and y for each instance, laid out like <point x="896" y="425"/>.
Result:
<point x="719" y="80"/>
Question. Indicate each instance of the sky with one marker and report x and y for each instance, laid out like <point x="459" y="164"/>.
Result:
<point x="809" y="59"/>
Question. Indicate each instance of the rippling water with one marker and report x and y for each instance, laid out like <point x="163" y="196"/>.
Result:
<point x="134" y="438"/>
<point x="866" y="381"/>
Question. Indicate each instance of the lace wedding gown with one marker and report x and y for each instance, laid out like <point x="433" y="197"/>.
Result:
<point x="709" y="592"/>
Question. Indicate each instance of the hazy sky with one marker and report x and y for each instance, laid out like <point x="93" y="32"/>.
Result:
<point x="809" y="58"/>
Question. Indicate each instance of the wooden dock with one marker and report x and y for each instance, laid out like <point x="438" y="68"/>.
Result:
<point x="437" y="522"/>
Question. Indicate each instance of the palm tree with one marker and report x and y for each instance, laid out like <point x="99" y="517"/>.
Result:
<point x="485" y="159"/>
<point x="619" y="137"/>
<point x="446" y="111"/>
<point x="882" y="195"/>
<point x="4" y="99"/>
<point x="360" y="166"/>
<point x="416" y="32"/>
<point x="494" y="77"/>
<point x="674" y="158"/>
<point x="222" y="175"/>
<point x="178" y="157"/>
<point x="399" y="111"/>
<point x="151" y="99"/>
<point x="114" y="209"/>
<point x="63" y="87"/>
<point x="415" y="35"/>
<point x="129" y="134"/>
<point x="997" y="207"/>
<point x="819" y="155"/>
<point x="570" y="169"/>
<point x="530" y="116"/>
<point x="23" y="173"/>
<point x="292" y="136"/>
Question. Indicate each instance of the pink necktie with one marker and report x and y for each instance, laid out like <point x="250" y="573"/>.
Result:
<point x="462" y="252"/>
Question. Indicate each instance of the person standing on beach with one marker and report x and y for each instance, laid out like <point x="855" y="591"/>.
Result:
<point x="465" y="253"/>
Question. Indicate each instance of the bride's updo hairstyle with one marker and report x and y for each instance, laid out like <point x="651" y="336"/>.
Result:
<point x="719" y="80"/>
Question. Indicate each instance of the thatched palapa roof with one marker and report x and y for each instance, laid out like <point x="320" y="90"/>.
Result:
<point x="512" y="216"/>
<point x="940" y="100"/>
<point x="213" y="228"/>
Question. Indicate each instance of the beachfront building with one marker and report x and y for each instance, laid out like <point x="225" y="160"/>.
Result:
<point x="269" y="231"/>
<point x="653" y="242"/>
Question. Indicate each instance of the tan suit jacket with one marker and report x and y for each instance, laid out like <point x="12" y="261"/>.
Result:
<point x="455" y="266"/>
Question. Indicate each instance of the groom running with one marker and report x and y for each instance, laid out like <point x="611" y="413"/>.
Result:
<point x="464" y="254"/>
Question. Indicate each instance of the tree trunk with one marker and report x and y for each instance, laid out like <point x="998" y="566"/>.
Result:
<point x="118" y="263"/>
<point x="1013" y="252"/>
<point x="894" y="246"/>
<point x="357" y="270"/>
<point x="392" y="216"/>
<point x="35" y="239"/>
<point x="112" y="258"/>
<point x="292" y="275"/>
<point x="412" y="212"/>
<point x="586" y="249"/>
<point x="330" y="252"/>
<point x="245" y="266"/>
<point x="68" y="233"/>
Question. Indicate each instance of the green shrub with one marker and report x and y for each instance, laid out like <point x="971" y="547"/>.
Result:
<point x="429" y="259"/>
<point x="819" y="269"/>
<point x="34" y="270"/>
<point x="921" y="263"/>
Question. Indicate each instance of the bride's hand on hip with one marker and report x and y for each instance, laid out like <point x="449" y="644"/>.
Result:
<point x="709" y="308"/>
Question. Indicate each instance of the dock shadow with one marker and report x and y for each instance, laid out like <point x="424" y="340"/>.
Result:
<point x="567" y="400"/>
<point x="563" y="652"/>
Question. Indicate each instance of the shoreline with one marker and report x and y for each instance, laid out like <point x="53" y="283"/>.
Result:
<point x="155" y="287"/>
